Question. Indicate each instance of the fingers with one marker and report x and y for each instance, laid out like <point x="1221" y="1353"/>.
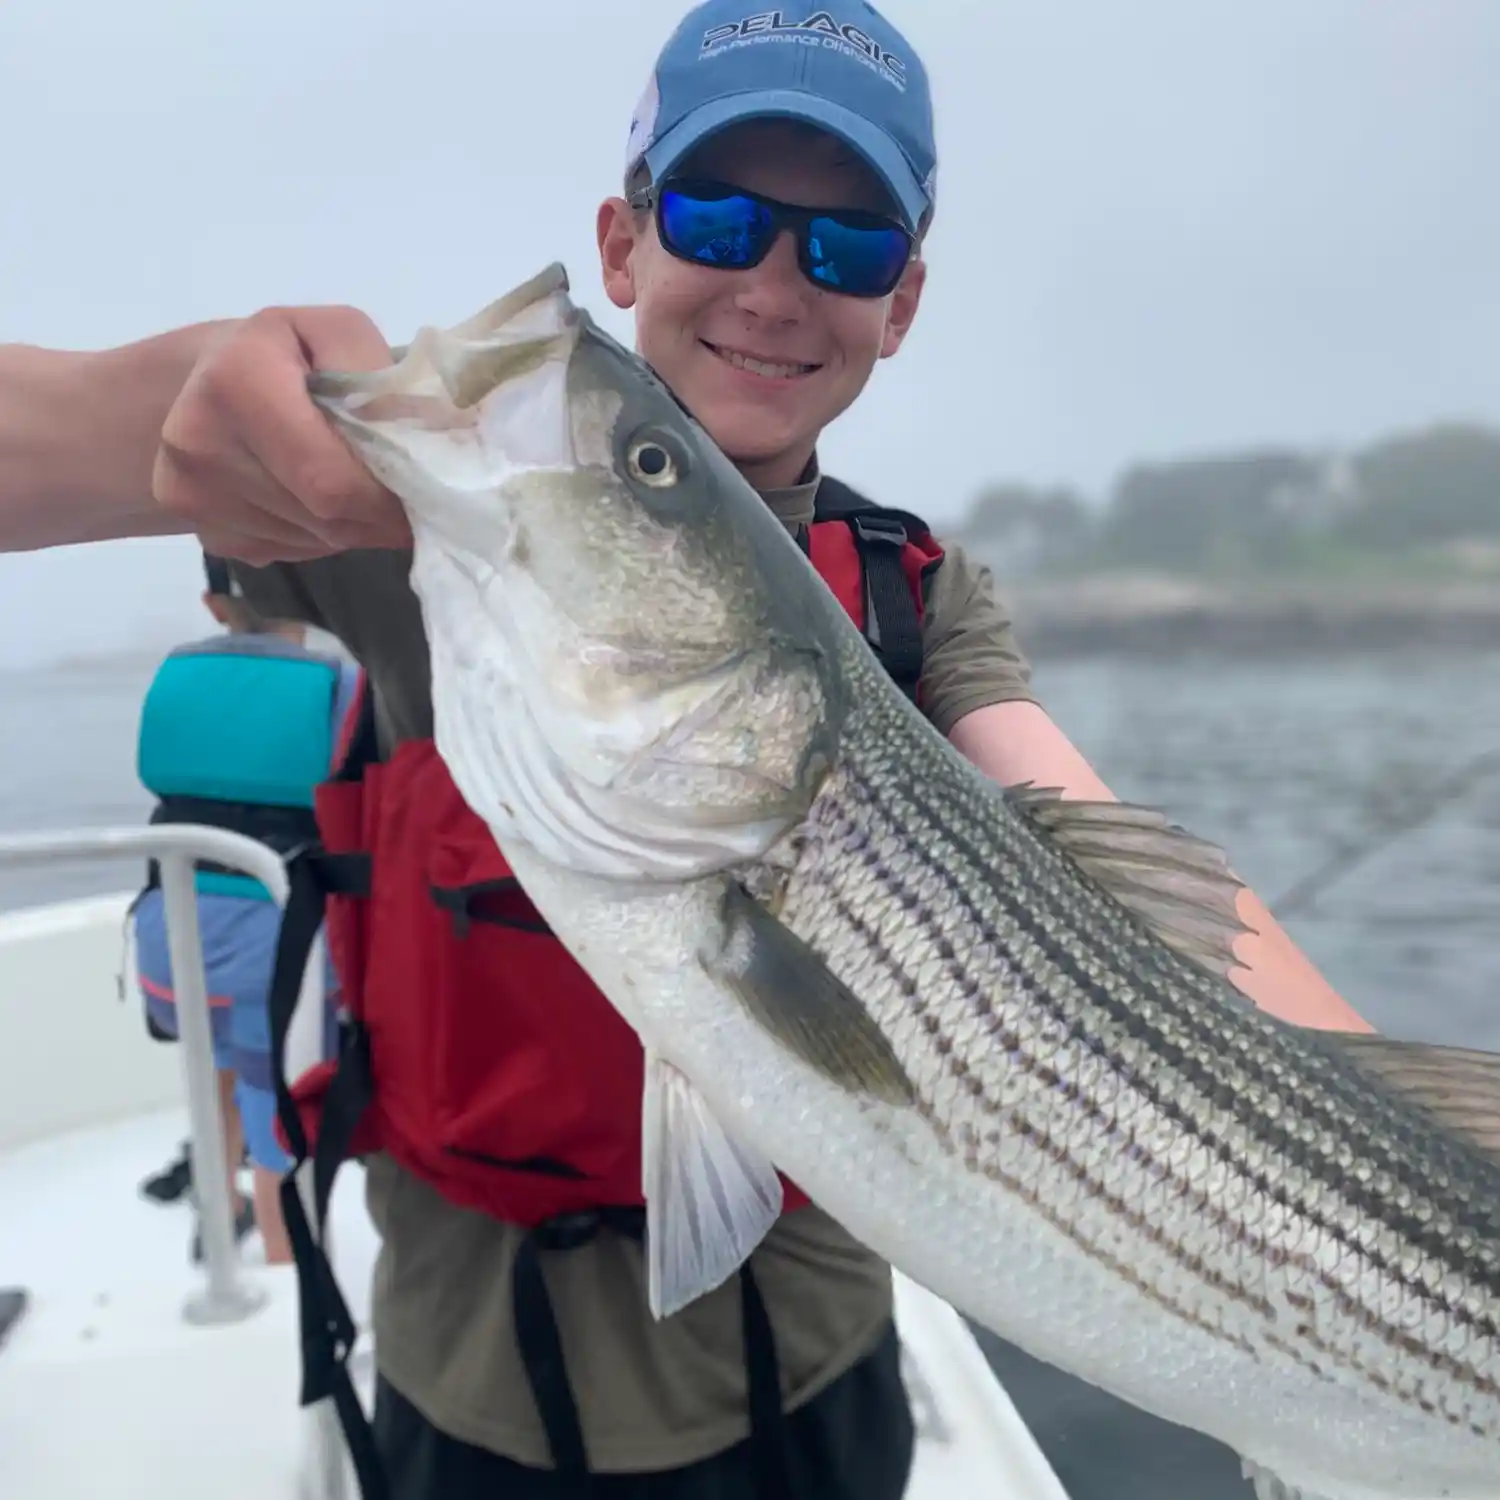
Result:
<point x="250" y="463"/>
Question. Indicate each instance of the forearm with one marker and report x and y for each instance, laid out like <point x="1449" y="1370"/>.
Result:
<point x="79" y="434"/>
<point x="1279" y="977"/>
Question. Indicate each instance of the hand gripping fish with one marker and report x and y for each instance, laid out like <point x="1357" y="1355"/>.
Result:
<point x="986" y="1029"/>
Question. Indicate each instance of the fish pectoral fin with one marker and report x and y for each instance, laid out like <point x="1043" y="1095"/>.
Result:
<point x="1181" y="886"/>
<point x="710" y="1199"/>
<point x="793" y="994"/>
<point x="1458" y="1086"/>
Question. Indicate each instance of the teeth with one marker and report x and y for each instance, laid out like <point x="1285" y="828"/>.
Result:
<point x="761" y="366"/>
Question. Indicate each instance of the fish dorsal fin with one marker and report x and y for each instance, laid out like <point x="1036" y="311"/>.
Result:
<point x="1458" y="1086"/>
<point x="1181" y="886"/>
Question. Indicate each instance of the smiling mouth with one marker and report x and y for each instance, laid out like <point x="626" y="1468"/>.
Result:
<point x="768" y="369"/>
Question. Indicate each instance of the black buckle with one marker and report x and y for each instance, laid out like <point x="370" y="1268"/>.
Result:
<point x="883" y="529"/>
<point x="568" y="1231"/>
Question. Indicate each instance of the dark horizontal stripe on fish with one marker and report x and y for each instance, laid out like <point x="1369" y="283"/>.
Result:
<point x="1090" y="1248"/>
<point x="1280" y="1141"/>
<point x="1030" y="1065"/>
<point x="1481" y="1384"/>
<point x="1187" y="1192"/>
<point x="1035" y="1068"/>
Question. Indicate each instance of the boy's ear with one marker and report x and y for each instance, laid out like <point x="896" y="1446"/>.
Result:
<point x="905" y="301"/>
<point x="616" y="228"/>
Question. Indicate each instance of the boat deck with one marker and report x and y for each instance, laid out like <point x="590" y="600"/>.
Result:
<point x="178" y="1410"/>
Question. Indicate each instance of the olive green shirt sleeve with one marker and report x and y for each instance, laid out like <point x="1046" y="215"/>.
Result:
<point x="278" y="593"/>
<point x="363" y="598"/>
<point x="970" y="654"/>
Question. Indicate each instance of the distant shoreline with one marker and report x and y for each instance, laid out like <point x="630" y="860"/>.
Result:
<point x="1149" y="616"/>
<point x="1141" y="615"/>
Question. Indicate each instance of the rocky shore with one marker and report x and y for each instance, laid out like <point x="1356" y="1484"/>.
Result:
<point x="1156" y="616"/>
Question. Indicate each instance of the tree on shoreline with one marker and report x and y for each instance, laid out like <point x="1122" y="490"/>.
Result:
<point x="1427" y="498"/>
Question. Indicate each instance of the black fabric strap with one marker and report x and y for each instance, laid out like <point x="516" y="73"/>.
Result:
<point x="363" y="749"/>
<point x="540" y="1344"/>
<point x="327" y="1327"/>
<point x="837" y="501"/>
<point x="770" y="1447"/>
<point x="880" y="537"/>
<point x="537" y="1333"/>
<point x="881" y="540"/>
<point x="542" y="1356"/>
<point x="482" y="903"/>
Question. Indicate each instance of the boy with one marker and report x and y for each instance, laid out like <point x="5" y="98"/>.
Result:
<point x="767" y="323"/>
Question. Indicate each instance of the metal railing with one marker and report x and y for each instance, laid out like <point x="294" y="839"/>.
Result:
<point x="227" y="1295"/>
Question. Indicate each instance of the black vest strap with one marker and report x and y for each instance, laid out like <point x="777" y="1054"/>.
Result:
<point x="542" y="1355"/>
<point x="770" y="1440"/>
<point x="283" y="829"/>
<point x="328" y="1329"/>
<point x="880" y="534"/>
<point x="363" y="748"/>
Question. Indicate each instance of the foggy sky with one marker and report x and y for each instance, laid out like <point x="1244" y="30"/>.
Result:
<point x="1179" y="226"/>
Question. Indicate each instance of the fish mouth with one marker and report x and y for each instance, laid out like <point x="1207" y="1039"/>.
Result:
<point x="767" y="369"/>
<point x="501" y="343"/>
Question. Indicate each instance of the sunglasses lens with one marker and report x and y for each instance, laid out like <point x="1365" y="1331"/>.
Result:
<point x="858" y="255"/>
<point x="731" y="231"/>
<point x="860" y="261"/>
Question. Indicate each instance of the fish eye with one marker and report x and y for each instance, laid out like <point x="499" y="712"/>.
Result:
<point x="650" y="463"/>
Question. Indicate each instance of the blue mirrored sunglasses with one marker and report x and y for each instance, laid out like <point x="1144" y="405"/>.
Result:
<point x="716" y="224"/>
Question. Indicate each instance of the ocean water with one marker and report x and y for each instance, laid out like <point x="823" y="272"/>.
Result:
<point x="1283" y="763"/>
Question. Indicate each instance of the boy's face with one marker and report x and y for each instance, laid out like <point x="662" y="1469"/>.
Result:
<point x="691" y="320"/>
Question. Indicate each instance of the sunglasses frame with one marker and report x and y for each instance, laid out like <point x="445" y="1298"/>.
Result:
<point x="784" y="216"/>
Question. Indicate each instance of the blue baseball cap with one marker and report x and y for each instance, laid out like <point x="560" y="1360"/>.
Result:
<point x="844" y="68"/>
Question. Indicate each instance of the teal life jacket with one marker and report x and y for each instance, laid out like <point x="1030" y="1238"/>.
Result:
<point x="235" y="732"/>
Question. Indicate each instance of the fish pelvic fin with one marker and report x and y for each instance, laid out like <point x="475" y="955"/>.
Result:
<point x="710" y="1199"/>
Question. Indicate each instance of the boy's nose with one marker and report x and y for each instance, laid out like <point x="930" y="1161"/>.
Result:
<point x="775" y="289"/>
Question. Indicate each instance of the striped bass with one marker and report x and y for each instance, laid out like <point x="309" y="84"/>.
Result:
<point x="988" y="1030"/>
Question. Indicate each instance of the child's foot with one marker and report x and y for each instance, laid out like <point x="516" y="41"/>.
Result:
<point x="173" y="1181"/>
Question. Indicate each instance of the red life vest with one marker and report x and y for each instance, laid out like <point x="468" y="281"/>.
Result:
<point x="475" y="1050"/>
